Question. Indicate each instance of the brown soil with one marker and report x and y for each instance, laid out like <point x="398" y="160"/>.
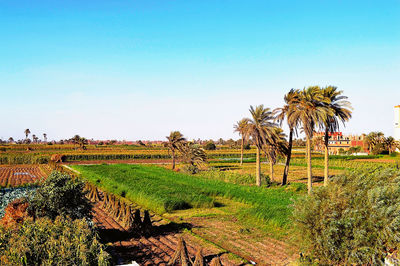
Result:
<point x="156" y="249"/>
<point x="11" y="176"/>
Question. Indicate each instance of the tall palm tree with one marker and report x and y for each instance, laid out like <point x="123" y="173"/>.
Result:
<point x="291" y="100"/>
<point x="175" y="143"/>
<point x="311" y="111"/>
<point x="241" y="127"/>
<point x="261" y="129"/>
<point x="341" y="112"/>
<point x="276" y="146"/>
<point x="27" y="132"/>
<point x="45" y="137"/>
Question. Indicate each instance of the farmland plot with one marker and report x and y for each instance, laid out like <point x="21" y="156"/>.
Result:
<point x="14" y="176"/>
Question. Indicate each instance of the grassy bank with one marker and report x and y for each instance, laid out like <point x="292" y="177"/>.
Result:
<point x="162" y="190"/>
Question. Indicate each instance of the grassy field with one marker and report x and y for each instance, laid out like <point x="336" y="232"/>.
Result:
<point x="162" y="190"/>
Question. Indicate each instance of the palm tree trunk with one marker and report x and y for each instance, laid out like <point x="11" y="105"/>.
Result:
<point x="309" y="171"/>
<point x="271" y="170"/>
<point x="241" y="152"/>
<point x="258" y="168"/>
<point x="173" y="160"/>
<point x="326" y="171"/>
<point x="289" y="155"/>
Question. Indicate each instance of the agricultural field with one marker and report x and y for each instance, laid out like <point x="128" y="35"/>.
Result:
<point x="20" y="175"/>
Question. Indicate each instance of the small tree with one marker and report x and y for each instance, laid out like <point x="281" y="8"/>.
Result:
<point x="60" y="195"/>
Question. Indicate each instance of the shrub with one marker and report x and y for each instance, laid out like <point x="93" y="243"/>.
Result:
<point x="46" y="242"/>
<point x="354" y="220"/>
<point x="210" y="146"/>
<point x="60" y="195"/>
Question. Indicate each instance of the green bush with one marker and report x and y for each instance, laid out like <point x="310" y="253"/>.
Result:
<point x="210" y="146"/>
<point x="60" y="195"/>
<point x="354" y="220"/>
<point x="46" y="242"/>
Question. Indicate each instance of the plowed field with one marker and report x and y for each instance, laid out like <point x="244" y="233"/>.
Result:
<point x="13" y="176"/>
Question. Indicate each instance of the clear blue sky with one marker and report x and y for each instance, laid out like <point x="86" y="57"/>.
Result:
<point x="137" y="70"/>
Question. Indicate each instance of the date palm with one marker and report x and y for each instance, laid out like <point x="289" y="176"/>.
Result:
<point x="27" y="132"/>
<point x="291" y="100"/>
<point x="311" y="111"/>
<point x="340" y="112"/>
<point x="391" y="144"/>
<point x="175" y="143"/>
<point x="261" y="130"/>
<point x="277" y="146"/>
<point x="241" y="127"/>
<point x="193" y="154"/>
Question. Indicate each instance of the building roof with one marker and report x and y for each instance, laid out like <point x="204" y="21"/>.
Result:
<point x="397" y="106"/>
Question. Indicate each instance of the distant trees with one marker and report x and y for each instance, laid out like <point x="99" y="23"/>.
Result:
<point x="378" y="143"/>
<point x="45" y="137"/>
<point x="80" y="141"/>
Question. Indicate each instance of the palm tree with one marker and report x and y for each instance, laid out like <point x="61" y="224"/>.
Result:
<point x="373" y="139"/>
<point x="45" y="137"/>
<point x="311" y="111"/>
<point x="391" y="144"/>
<point x="341" y="112"/>
<point x="175" y="143"/>
<point x="34" y="138"/>
<point x="291" y="100"/>
<point x="261" y="129"/>
<point x="241" y="127"/>
<point x="277" y="146"/>
<point x="193" y="154"/>
<point x="27" y="132"/>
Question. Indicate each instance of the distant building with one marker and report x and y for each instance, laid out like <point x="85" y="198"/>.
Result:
<point x="397" y="122"/>
<point x="338" y="142"/>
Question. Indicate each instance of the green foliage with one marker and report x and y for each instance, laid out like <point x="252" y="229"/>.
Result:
<point x="247" y="146"/>
<point x="47" y="242"/>
<point x="354" y="220"/>
<point x="210" y="146"/>
<point x="163" y="190"/>
<point x="60" y="195"/>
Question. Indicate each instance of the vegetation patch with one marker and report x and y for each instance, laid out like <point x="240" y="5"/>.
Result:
<point x="163" y="190"/>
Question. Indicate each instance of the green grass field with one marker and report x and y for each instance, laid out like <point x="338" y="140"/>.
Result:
<point x="163" y="190"/>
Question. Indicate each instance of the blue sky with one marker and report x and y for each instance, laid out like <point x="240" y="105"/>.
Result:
<point x="139" y="69"/>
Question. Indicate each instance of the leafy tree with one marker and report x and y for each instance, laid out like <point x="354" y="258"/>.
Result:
<point x="353" y="221"/>
<point x="174" y="144"/>
<point x="391" y="144"/>
<point x="241" y="127"/>
<point x="60" y="195"/>
<point x="261" y="130"/>
<point x="286" y="112"/>
<point x="340" y="112"/>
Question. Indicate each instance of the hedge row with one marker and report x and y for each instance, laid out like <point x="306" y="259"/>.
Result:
<point x="24" y="159"/>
